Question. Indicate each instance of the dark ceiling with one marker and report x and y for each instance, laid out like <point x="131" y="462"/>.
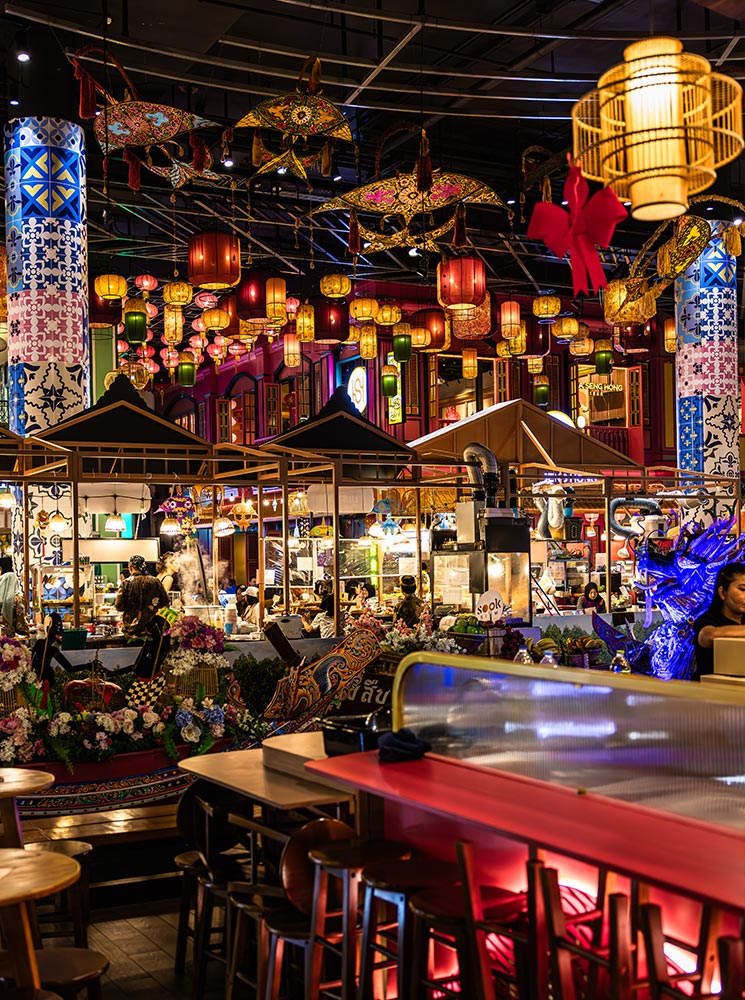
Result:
<point x="488" y="79"/>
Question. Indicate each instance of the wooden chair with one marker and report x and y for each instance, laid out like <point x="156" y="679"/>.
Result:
<point x="76" y="911"/>
<point x="663" y="983"/>
<point x="65" y="971"/>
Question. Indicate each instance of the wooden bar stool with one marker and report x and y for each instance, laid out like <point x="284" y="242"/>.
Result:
<point x="663" y="983"/>
<point x="77" y="894"/>
<point x="65" y="971"/>
<point x="392" y="885"/>
<point x="344" y="863"/>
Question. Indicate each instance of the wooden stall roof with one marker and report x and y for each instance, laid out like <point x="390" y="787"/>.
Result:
<point x="519" y="433"/>
<point x="29" y="457"/>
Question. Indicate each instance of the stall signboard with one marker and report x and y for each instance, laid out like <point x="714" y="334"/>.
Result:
<point x="357" y="388"/>
<point x="395" y="403"/>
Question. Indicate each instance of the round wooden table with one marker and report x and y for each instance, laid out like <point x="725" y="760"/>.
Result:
<point x="16" y="781"/>
<point x="24" y="877"/>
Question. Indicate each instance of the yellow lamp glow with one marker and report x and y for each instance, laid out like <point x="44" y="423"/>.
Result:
<point x="368" y="342"/>
<point x="510" y="319"/>
<point x="470" y="362"/>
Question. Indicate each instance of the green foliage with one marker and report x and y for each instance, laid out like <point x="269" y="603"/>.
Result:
<point x="258" y="681"/>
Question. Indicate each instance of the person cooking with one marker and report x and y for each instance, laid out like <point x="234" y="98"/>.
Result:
<point x="139" y="599"/>
<point x="724" y="618"/>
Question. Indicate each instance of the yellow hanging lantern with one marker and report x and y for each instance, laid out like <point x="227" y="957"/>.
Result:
<point x="546" y="307"/>
<point x="535" y="365"/>
<point x="470" y="362"/>
<point x="503" y="349"/>
<point x="292" y="352"/>
<point x="177" y="293"/>
<point x="110" y="286"/>
<point x="658" y="127"/>
<point x="368" y="342"/>
<point x="518" y="345"/>
<point x="364" y="310"/>
<point x="670" y="335"/>
<point x="420" y="337"/>
<point x="510" y="319"/>
<point x="216" y="319"/>
<point x="566" y="329"/>
<point x="582" y="346"/>
<point x="276" y="299"/>
<point x="335" y="286"/>
<point x="389" y="314"/>
<point x="305" y="323"/>
<point x="173" y="323"/>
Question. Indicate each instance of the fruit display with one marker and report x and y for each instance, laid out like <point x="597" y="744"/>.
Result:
<point x="543" y="646"/>
<point x="468" y="624"/>
<point x="511" y="642"/>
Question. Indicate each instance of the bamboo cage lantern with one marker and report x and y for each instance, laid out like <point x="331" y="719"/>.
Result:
<point x="657" y="127"/>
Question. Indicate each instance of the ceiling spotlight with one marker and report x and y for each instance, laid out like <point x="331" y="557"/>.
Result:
<point x="709" y="208"/>
<point x="510" y="201"/>
<point x="738" y="222"/>
<point x="414" y="252"/>
<point x="22" y="53"/>
<point x="228" y="161"/>
<point x="281" y="170"/>
<point x="337" y="178"/>
<point x="13" y="98"/>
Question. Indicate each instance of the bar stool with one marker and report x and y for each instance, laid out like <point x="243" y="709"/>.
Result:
<point x="393" y="885"/>
<point x="663" y="983"/>
<point x="345" y="863"/>
<point x="77" y="894"/>
<point x="65" y="971"/>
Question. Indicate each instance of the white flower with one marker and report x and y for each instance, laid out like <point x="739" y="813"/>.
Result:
<point x="130" y="715"/>
<point x="191" y="733"/>
<point x="149" y="719"/>
<point x="128" y="727"/>
<point x="159" y="727"/>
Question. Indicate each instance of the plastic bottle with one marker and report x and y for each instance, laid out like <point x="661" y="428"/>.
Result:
<point x="523" y="656"/>
<point x="549" y="660"/>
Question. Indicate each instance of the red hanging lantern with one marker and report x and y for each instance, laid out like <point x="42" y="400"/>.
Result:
<point x="537" y="338"/>
<point x="214" y="260"/>
<point x="434" y="321"/>
<point x="103" y="312"/>
<point x="461" y="283"/>
<point x="250" y="295"/>
<point x="146" y="282"/>
<point x="331" y="320"/>
<point x="229" y="304"/>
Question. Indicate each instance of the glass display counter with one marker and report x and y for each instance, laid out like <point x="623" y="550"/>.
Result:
<point x="54" y="589"/>
<point x="670" y="746"/>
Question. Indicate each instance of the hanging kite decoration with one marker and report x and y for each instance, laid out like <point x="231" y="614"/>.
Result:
<point x="299" y="115"/>
<point x="589" y="221"/>
<point x="138" y="128"/>
<point x="406" y="197"/>
<point x="180" y="506"/>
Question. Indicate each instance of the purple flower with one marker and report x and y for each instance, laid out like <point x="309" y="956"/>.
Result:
<point x="183" y="718"/>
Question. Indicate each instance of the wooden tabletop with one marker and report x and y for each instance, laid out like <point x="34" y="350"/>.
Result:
<point x="243" y="771"/>
<point x="28" y="875"/>
<point x="23" y="781"/>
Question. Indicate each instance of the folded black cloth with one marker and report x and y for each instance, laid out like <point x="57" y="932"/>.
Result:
<point x="401" y="745"/>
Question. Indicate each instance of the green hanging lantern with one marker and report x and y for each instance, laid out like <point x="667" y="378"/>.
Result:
<point x="186" y="370"/>
<point x="402" y="347"/>
<point x="135" y="327"/>
<point x="388" y="380"/>
<point x="540" y="390"/>
<point x="603" y="357"/>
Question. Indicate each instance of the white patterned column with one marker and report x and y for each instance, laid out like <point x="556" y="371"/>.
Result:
<point x="708" y="386"/>
<point x="45" y="216"/>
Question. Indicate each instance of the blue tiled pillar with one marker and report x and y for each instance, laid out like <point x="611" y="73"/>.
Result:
<point x="708" y="386"/>
<point x="45" y="215"/>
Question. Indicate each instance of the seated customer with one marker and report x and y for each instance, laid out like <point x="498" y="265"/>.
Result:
<point x="409" y="609"/>
<point x="590" y="600"/>
<point x="723" y="619"/>
<point x="323" y="623"/>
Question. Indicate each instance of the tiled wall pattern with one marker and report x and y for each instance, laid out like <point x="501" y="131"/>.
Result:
<point x="45" y="213"/>
<point x="708" y="386"/>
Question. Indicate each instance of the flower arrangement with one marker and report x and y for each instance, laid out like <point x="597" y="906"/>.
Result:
<point x="15" y="664"/>
<point x="401" y="639"/>
<point x="194" y="644"/>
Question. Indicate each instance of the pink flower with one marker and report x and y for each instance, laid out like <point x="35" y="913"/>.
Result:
<point x="136" y="736"/>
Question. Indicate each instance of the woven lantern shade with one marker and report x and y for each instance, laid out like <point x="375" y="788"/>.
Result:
<point x="541" y="386"/>
<point x="582" y="346"/>
<point x="335" y="286"/>
<point x="461" y="283"/>
<point x="214" y="260"/>
<point x="402" y="346"/>
<point x="368" y="342"/>
<point x="364" y="310"/>
<point x="291" y="347"/>
<point x="173" y="324"/>
<point x="434" y="321"/>
<point x="534" y="366"/>
<point x="658" y="127"/>
<point x="420" y="337"/>
<point x="502" y="349"/>
<point x="670" y="335"/>
<point x="331" y="320"/>
<point x="546" y="307"/>
<point x="135" y="320"/>
<point x="473" y="324"/>
<point x="110" y="286"/>
<point x="509" y="319"/>
<point x="388" y="380"/>
<point x="103" y="312"/>
<point x="305" y="325"/>
<point x="276" y="299"/>
<point x="565" y="329"/>
<point x="216" y="319"/>
<point x="517" y="345"/>
<point x="177" y="293"/>
<point x="186" y="370"/>
<point x="470" y="362"/>
<point x="389" y="314"/>
<point x="603" y="357"/>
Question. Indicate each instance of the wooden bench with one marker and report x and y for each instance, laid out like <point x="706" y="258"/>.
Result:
<point x="115" y="826"/>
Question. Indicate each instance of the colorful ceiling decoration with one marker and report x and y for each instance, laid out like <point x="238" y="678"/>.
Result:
<point x="301" y="114"/>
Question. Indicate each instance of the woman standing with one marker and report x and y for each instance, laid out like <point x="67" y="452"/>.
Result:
<point x="725" y="617"/>
<point x="12" y="605"/>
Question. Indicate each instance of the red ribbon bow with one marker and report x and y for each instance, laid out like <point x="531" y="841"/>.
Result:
<point x="587" y="223"/>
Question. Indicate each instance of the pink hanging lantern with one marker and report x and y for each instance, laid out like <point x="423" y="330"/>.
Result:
<point x="198" y="325"/>
<point x="122" y="346"/>
<point x="151" y="310"/>
<point x="292" y="305"/>
<point x="152" y="366"/>
<point x="219" y="341"/>
<point x="237" y="348"/>
<point x="120" y="329"/>
<point x="206" y="300"/>
<point x="146" y="282"/>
